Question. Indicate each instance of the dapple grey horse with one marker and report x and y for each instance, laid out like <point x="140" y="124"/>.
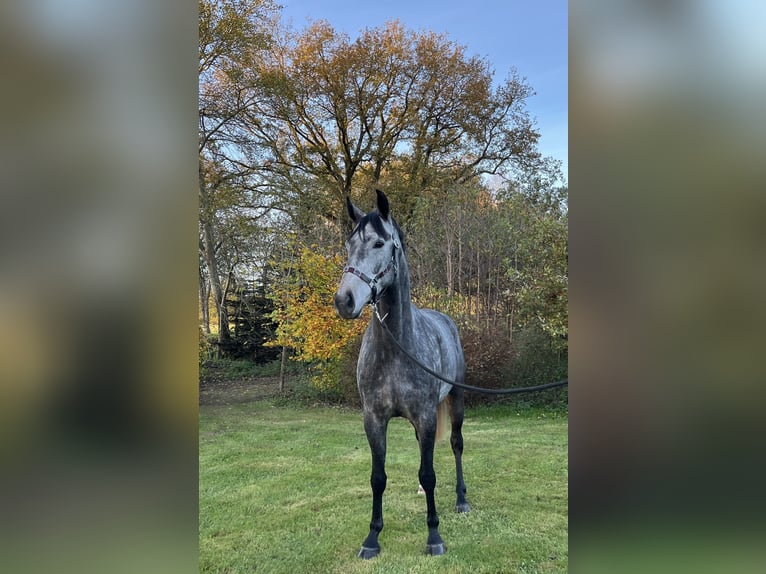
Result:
<point x="390" y="384"/>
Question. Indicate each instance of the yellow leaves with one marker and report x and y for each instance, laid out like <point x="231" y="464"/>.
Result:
<point x="308" y="320"/>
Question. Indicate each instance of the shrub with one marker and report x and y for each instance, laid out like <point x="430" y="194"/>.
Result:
<point x="533" y="359"/>
<point x="487" y="355"/>
<point x="307" y="320"/>
<point x="207" y="348"/>
<point x="539" y="359"/>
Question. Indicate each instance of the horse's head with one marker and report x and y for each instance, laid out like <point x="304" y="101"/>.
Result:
<point x="372" y="258"/>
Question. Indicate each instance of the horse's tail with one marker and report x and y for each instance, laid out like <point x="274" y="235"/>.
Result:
<point x="442" y="418"/>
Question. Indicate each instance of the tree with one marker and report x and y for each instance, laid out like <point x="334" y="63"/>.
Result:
<point x="493" y="259"/>
<point x="538" y="264"/>
<point x="397" y="104"/>
<point x="232" y="36"/>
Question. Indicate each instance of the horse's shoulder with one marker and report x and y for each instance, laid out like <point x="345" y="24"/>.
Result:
<point x="431" y="317"/>
<point x="435" y="314"/>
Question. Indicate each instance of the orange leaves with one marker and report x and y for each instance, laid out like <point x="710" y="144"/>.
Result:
<point x="308" y="321"/>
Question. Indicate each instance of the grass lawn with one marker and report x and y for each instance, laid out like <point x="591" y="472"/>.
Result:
<point x="286" y="489"/>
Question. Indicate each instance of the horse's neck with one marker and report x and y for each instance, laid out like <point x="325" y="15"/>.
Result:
<point x="396" y="305"/>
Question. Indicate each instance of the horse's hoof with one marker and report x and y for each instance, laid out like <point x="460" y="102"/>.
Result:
<point x="435" y="549"/>
<point x="464" y="507"/>
<point x="368" y="553"/>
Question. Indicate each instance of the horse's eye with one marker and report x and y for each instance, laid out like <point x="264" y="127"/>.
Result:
<point x="379" y="243"/>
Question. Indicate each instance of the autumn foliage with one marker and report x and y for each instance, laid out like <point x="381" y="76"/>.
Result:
<point x="308" y="322"/>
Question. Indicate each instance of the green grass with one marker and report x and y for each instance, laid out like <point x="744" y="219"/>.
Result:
<point x="286" y="489"/>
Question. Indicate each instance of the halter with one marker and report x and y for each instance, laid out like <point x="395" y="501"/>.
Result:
<point x="373" y="283"/>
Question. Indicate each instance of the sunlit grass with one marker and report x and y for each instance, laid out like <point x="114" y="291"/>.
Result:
<point x="286" y="489"/>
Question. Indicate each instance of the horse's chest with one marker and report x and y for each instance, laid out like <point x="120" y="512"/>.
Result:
<point x="394" y="385"/>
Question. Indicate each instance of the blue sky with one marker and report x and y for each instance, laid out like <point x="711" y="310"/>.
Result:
<point x="530" y="35"/>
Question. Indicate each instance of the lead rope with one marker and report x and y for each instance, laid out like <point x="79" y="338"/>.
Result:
<point x="514" y="391"/>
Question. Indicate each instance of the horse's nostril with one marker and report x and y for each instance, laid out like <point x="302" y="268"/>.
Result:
<point x="344" y="302"/>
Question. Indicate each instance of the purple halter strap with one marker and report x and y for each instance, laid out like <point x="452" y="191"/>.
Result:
<point x="372" y="283"/>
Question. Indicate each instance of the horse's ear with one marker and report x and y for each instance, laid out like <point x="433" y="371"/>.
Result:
<point x="353" y="211"/>
<point x="383" y="207"/>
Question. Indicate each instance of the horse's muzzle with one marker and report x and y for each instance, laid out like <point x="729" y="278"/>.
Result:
<point x="346" y="305"/>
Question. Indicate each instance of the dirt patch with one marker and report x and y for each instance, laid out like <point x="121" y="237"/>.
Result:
<point x="217" y="389"/>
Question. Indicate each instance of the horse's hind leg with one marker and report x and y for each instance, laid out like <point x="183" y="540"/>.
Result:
<point x="456" y="440"/>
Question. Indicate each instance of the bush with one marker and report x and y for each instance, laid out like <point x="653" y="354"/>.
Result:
<point x="207" y="348"/>
<point x="539" y="359"/>
<point x="533" y="359"/>
<point x="334" y="381"/>
<point x="347" y="372"/>
<point x="488" y="356"/>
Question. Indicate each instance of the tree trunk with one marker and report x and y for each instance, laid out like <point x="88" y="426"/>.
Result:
<point x="488" y="300"/>
<point x="282" y="369"/>
<point x="212" y="269"/>
<point x="510" y="323"/>
<point x="450" y="286"/>
<point x="478" y="289"/>
<point x="204" y="301"/>
<point x="469" y="284"/>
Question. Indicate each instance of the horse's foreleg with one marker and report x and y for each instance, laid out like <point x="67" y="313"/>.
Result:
<point x="375" y="429"/>
<point x="427" y="476"/>
<point x="456" y="440"/>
